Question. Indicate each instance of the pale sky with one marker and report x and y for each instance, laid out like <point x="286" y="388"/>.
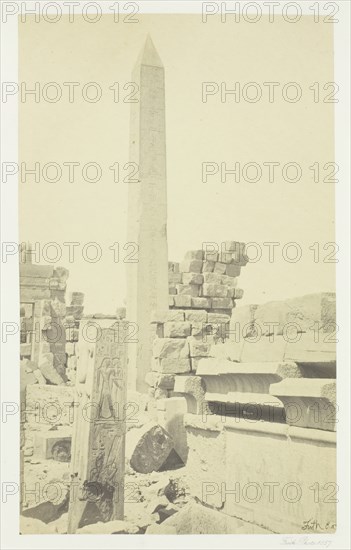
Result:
<point x="197" y="132"/>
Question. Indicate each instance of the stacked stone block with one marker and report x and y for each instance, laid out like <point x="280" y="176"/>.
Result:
<point x="207" y="280"/>
<point x="39" y="282"/>
<point x="202" y="294"/>
<point x="74" y="313"/>
<point x="277" y="378"/>
<point x="183" y="337"/>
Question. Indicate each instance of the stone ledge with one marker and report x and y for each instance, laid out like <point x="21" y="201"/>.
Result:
<point x="247" y="398"/>
<point x="214" y="367"/>
<point x="212" y="423"/>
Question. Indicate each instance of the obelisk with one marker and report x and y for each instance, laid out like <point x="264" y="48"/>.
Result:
<point x="147" y="279"/>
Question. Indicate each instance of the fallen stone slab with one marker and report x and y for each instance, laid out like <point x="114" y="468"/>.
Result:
<point x="308" y="350"/>
<point x="309" y="313"/>
<point x="148" y="448"/>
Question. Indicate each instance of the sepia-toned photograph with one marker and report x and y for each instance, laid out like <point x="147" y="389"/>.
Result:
<point x="176" y="272"/>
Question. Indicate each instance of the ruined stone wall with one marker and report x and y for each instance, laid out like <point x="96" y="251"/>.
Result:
<point x="207" y="280"/>
<point x="228" y="380"/>
<point x="42" y="298"/>
<point x="74" y="314"/>
<point x="202" y="293"/>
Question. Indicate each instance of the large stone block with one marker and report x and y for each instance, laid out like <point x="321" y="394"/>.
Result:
<point x="229" y="281"/>
<point x="197" y="347"/>
<point x="288" y="461"/>
<point x="193" y="389"/>
<point x="193" y="278"/>
<point x="311" y="313"/>
<point x="148" y="448"/>
<point x="201" y="302"/>
<point x="214" y="290"/>
<point x="170" y="348"/>
<point x="176" y="329"/>
<point x="42" y="282"/>
<point x="167" y="316"/>
<point x="190" y="290"/>
<point x="196" y="316"/>
<point x="182" y="301"/>
<point x="76" y="298"/>
<point x="233" y="270"/>
<point x="220" y="268"/>
<point x="189" y="266"/>
<point x="173" y="365"/>
<point x="263" y="350"/>
<point x="218" y="318"/>
<point x="175" y="278"/>
<point x="312" y="348"/>
<point x="208" y="266"/>
<point x="309" y="403"/>
<point x="34" y="270"/>
<point x="194" y="255"/>
<point x="29" y="294"/>
<point x="222" y="303"/>
<point x="211" y="256"/>
<point x="215" y="278"/>
<point x="278" y="370"/>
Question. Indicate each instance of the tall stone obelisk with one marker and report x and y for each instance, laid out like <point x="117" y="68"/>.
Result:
<point x="147" y="280"/>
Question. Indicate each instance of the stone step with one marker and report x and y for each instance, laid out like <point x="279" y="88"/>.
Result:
<point x="245" y="398"/>
<point x="215" y="367"/>
<point x="305" y="351"/>
<point x="308" y="402"/>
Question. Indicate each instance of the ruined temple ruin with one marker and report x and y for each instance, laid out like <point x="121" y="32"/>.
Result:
<point x="218" y="419"/>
